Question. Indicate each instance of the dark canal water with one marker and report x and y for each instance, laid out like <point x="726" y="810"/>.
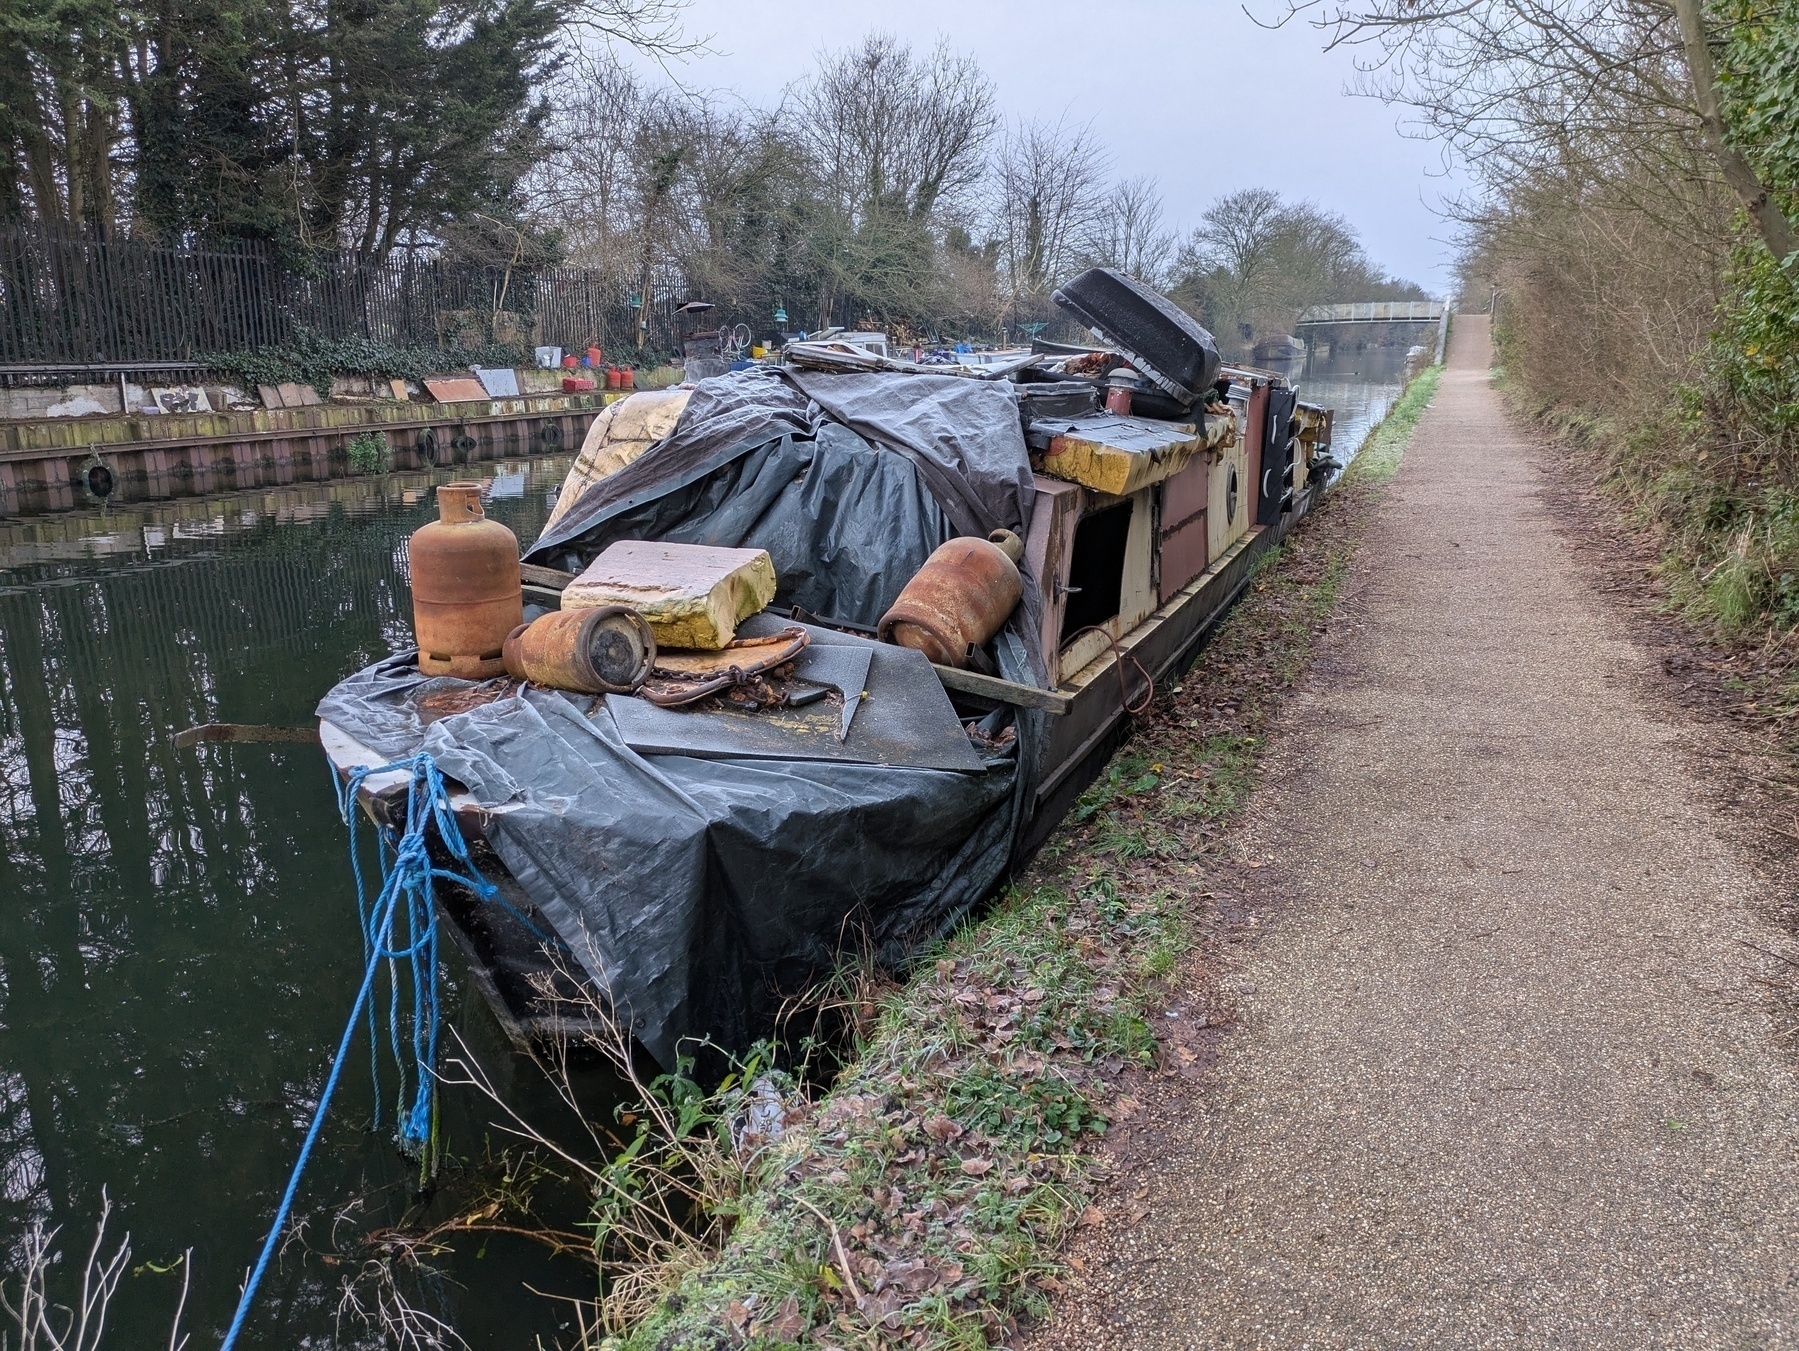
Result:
<point x="1360" y="385"/>
<point x="178" y="934"/>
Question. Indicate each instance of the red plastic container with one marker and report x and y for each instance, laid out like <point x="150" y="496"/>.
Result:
<point x="576" y="384"/>
<point x="569" y="363"/>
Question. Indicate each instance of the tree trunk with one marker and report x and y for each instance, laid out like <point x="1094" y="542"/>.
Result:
<point x="1776" y="230"/>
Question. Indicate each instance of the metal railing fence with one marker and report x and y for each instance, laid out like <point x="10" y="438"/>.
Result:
<point x="68" y="298"/>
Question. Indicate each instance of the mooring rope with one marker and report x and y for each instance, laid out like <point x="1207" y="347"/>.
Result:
<point x="406" y="889"/>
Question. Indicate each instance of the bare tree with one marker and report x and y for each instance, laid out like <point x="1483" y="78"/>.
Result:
<point x="885" y="126"/>
<point x="651" y="26"/>
<point x="1237" y="240"/>
<point x="1255" y="261"/>
<point x="1519" y="86"/>
<point x="1129" y="233"/>
<point x="1049" y="196"/>
<point x="892" y="140"/>
<point x="586" y="185"/>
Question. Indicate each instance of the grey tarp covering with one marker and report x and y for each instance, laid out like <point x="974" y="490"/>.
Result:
<point x="702" y="892"/>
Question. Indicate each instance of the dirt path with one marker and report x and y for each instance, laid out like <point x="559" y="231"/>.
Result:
<point x="1503" y="1074"/>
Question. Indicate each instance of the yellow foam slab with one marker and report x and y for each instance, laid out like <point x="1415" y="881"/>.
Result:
<point x="693" y="595"/>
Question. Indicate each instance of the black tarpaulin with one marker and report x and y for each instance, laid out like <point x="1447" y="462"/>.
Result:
<point x="702" y="892"/>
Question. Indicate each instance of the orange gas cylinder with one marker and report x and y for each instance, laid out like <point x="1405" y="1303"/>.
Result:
<point x="465" y="587"/>
<point x="959" y="599"/>
<point x="603" y="649"/>
<point x="627" y="378"/>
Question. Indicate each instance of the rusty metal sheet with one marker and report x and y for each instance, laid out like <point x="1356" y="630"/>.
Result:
<point x="812" y="731"/>
<point x="460" y="390"/>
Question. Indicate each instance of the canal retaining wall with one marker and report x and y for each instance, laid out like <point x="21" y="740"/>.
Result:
<point x="59" y="464"/>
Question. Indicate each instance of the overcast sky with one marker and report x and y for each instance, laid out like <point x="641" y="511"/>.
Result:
<point x="1191" y="91"/>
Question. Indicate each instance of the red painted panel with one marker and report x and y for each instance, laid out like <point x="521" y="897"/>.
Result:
<point x="1184" y="494"/>
<point x="1183" y="556"/>
<point x="1252" y="435"/>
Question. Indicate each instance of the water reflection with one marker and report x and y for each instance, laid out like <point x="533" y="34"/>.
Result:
<point x="178" y="944"/>
<point x="1360" y="385"/>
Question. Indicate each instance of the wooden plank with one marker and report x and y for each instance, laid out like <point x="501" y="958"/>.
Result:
<point x="1004" y="691"/>
<point x="549" y="579"/>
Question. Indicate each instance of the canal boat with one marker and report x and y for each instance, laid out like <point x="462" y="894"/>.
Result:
<point x="691" y="873"/>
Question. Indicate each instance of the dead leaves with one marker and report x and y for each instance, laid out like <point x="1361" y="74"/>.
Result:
<point x="941" y="1128"/>
<point x="786" y="1324"/>
<point x="899" y="1283"/>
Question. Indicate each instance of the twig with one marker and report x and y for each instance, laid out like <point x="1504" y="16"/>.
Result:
<point x="843" y="1261"/>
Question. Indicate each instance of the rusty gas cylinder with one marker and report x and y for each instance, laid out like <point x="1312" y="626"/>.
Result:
<point x="959" y="599"/>
<point x="465" y="587"/>
<point x="604" y="649"/>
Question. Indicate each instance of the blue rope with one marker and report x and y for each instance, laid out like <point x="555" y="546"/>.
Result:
<point x="406" y="890"/>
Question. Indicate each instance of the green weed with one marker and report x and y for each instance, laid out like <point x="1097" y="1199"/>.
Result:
<point x="369" y="453"/>
<point x="1379" y="457"/>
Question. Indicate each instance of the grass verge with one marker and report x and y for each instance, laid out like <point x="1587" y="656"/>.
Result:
<point x="923" y="1200"/>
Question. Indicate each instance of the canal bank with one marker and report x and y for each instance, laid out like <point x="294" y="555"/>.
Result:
<point x="63" y="464"/>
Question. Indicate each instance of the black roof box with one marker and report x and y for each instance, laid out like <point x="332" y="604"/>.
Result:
<point x="1158" y="337"/>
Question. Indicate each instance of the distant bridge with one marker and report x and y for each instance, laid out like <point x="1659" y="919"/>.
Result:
<point x="1374" y="312"/>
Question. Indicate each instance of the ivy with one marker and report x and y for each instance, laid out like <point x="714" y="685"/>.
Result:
<point x="1758" y="71"/>
<point x="312" y="358"/>
<point x="1754" y="350"/>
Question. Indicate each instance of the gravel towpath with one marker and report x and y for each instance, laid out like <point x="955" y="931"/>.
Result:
<point x="1504" y="1072"/>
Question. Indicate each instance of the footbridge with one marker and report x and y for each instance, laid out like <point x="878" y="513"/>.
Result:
<point x="1374" y="312"/>
<point x="1367" y="312"/>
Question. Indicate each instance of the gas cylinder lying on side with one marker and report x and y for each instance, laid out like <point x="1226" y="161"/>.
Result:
<point x="606" y="649"/>
<point x="959" y="599"/>
<point x="466" y="595"/>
